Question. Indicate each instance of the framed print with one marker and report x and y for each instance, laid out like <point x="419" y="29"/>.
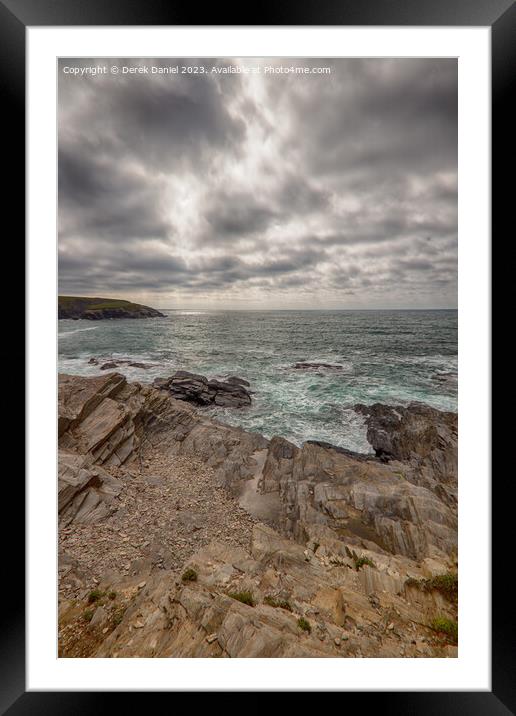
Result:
<point x="258" y="302"/>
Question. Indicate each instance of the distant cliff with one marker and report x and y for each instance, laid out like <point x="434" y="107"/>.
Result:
<point x="95" y="309"/>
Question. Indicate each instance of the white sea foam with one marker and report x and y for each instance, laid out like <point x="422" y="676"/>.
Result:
<point x="76" y="330"/>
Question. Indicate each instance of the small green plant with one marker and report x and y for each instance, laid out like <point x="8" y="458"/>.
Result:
<point x="446" y="626"/>
<point x="189" y="575"/>
<point x="360" y="561"/>
<point x="278" y="603"/>
<point x="118" y="616"/>
<point x="112" y="595"/>
<point x="244" y="597"/>
<point x="447" y="584"/>
<point x="88" y="615"/>
<point x="304" y="624"/>
<point x="95" y="595"/>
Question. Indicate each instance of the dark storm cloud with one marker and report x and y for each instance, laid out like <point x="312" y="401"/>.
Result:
<point x="382" y="118"/>
<point x="99" y="199"/>
<point x="340" y="188"/>
<point x="236" y="215"/>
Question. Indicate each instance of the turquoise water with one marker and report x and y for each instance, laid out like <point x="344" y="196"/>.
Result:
<point x="387" y="356"/>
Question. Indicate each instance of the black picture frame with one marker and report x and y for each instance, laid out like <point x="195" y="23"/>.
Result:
<point x="500" y="15"/>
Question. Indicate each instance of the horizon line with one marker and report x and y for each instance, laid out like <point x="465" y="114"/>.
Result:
<point x="185" y="308"/>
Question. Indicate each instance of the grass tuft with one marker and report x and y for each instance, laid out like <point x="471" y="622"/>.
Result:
<point x="447" y="584"/>
<point x="361" y="561"/>
<point x="95" y="595"/>
<point x="118" y="616"/>
<point x="278" y="603"/>
<point x="189" y="575"/>
<point x="304" y="624"/>
<point x="244" y="597"/>
<point x="446" y="626"/>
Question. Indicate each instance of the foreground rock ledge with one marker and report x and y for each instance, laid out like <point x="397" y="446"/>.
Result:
<point x="351" y="537"/>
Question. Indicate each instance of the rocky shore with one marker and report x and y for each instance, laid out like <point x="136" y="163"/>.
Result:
<point x="96" y="309"/>
<point x="181" y="536"/>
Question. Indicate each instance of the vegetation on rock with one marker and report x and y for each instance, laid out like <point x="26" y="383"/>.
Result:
<point x="304" y="624"/>
<point x="244" y="597"/>
<point x="278" y="603"/>
<point x="444" y="625"/>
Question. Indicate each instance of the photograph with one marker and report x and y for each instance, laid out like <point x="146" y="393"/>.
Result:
<point x="257" y="316"/>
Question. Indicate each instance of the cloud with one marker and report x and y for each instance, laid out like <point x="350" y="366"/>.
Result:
<point x="242" y="190"/>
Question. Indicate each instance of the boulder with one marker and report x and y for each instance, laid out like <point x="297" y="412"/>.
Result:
<point x="199" y="390"/>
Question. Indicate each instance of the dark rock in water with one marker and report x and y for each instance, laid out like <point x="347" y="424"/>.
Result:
<point x="445" y="378"/>
<point x="111" y="365"/>
<point x="316" y="366"/>
<point x="197" y="389"/>
<point x="238" y="381"/>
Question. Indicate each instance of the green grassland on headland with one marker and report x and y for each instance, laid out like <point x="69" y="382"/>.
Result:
<point x="91" y="307"/>
<point x="97" y="304"/>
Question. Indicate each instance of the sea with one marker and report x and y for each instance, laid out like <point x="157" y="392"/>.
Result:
<point x="388" y="356"/>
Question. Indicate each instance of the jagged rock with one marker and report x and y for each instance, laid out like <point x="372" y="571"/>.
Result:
<point x="106" y="417"/>
<point x="374" y="501"/>
<point x="362" y="525"/>
<point x="85" y="493"/>
<point x="399" y="507"/>
<point x="113" y="364"/>
<point x="199" y="390"/>
<point x="420" y="436"/>
<point x="206" y="619"/>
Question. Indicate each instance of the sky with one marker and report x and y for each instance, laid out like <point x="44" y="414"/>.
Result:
<point x="242" y="187"/>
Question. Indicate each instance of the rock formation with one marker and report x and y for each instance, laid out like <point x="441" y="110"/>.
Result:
<point x="418" y="436"/>
<point x="114" y="364"/>
<point x="350" y="562"/>
<point x="199" y="390"/>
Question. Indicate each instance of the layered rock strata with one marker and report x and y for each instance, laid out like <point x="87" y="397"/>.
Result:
<point x="199" y="390"/>
<point x="349" y="537"/>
